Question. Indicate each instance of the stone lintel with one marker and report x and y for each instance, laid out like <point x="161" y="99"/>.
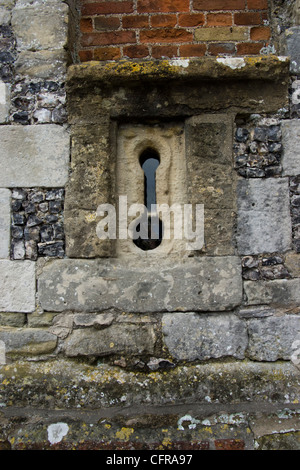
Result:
<point x="268" y="68"/>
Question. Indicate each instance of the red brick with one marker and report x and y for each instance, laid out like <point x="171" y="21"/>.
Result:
<point x="159" y="52"/>
<point x="86" y="25"/>
<point x="136" y="52"/>
<point x="106" y="8"/>
<point x="107" y="53"/>
<point x="163" y="21"/>
<point x="106" y="39"/>
<point x="260" y="33"/>
<point x="210" y="5"/>
<point x="86" y="56"/>
<point x="257" y="4"/>
<point x="192" y="50"/>
<point x="106" y="23"/>
<point x="136" y="21"/>
<point x="189" y="20"/>
<point x="166" y="35"/>
<point x="219" y="19"/>
<point x="249" y="48"/>
<point x="221" y="48"/>
<point x="163" y="6"/>
<point x="247" y="18"/>
<point x="229" y="444"/>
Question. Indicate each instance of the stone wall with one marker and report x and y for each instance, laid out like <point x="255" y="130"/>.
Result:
<point x="101" y="349"/>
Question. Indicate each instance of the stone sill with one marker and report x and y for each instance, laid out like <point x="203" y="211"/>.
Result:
<point x="270" y="68"/>
<point x="69" y="382"/>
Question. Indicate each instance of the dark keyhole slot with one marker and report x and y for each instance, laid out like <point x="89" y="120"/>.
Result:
<point x="149" y="161"/>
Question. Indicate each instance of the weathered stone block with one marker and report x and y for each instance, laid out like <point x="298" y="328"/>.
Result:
<point x="291" y="152"/>
<point x="47" y="65"/>
<point x="202" y="284"/>
<point x="40" y="25"/>
<point x="280" y="292"/>
<point x="292" y="38"/>
<point x="98" y="387"/>
<point x="4" y="222"/>
<point x="17" y="280"/>
<point x="264" y="223"/>
<point x="115" y="339"/>
<point x="191" y="336"/>
<point x="4" y="102"/>
<point x="12" y="319"/>
<point x="211" y="179"/>
<point x="34" y="156"/>
<point x="271" y="339"/>
<point x="27" y="341"/>
<point x="292" y="262"/>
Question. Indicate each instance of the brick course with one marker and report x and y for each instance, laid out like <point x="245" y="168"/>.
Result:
<point x="112" y="30"/>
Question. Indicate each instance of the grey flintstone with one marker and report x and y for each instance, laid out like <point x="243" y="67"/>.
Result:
<point x="264" y="221"/>
<point x="197" y="284"/>
<point x="191" y="336"/>
<point x="34" y="156"/>
<point x="5" y="198"/>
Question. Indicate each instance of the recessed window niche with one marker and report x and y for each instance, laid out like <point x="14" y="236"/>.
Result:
<point x="182" y="114"/>
<point x="151" y="172"/>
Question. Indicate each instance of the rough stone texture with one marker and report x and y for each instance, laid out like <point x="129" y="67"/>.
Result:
<point x="272" y="338"/>
<point x="4" y="102"/>
<point x="266" y="267"/>
<point x="94" y="285"/>
<point x="12" y="319"/>
<point x="264" y="222"/>
<point x="17" y="280"/>
<point x="281" y="441"/>
<point x="37" y="223"/>
<point x="116" y="339"/>
<point x="46" y="65"/>
<point x="90" y="184"/>
<point x="34" y="156"/>
<point x="38" y="102"/>
<point x="29" y="341"/>
<point x="191" y="337"/>
<point x="291" y="151"/>
<point x="211" y="179"/>
<point x="292" y="262"/>
<point x="40" y="25"/>
<point x="4" y="222"/>
<point x="280" y="292"/>
<point x="101" y="387"/>
<point x="292" y="38"/>
<point x="257" y="146"/>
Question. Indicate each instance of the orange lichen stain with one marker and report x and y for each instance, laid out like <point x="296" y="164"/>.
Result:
<point x="125" y="433"/>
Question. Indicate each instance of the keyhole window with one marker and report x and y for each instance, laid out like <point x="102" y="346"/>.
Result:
<point x="149" y="161"/>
